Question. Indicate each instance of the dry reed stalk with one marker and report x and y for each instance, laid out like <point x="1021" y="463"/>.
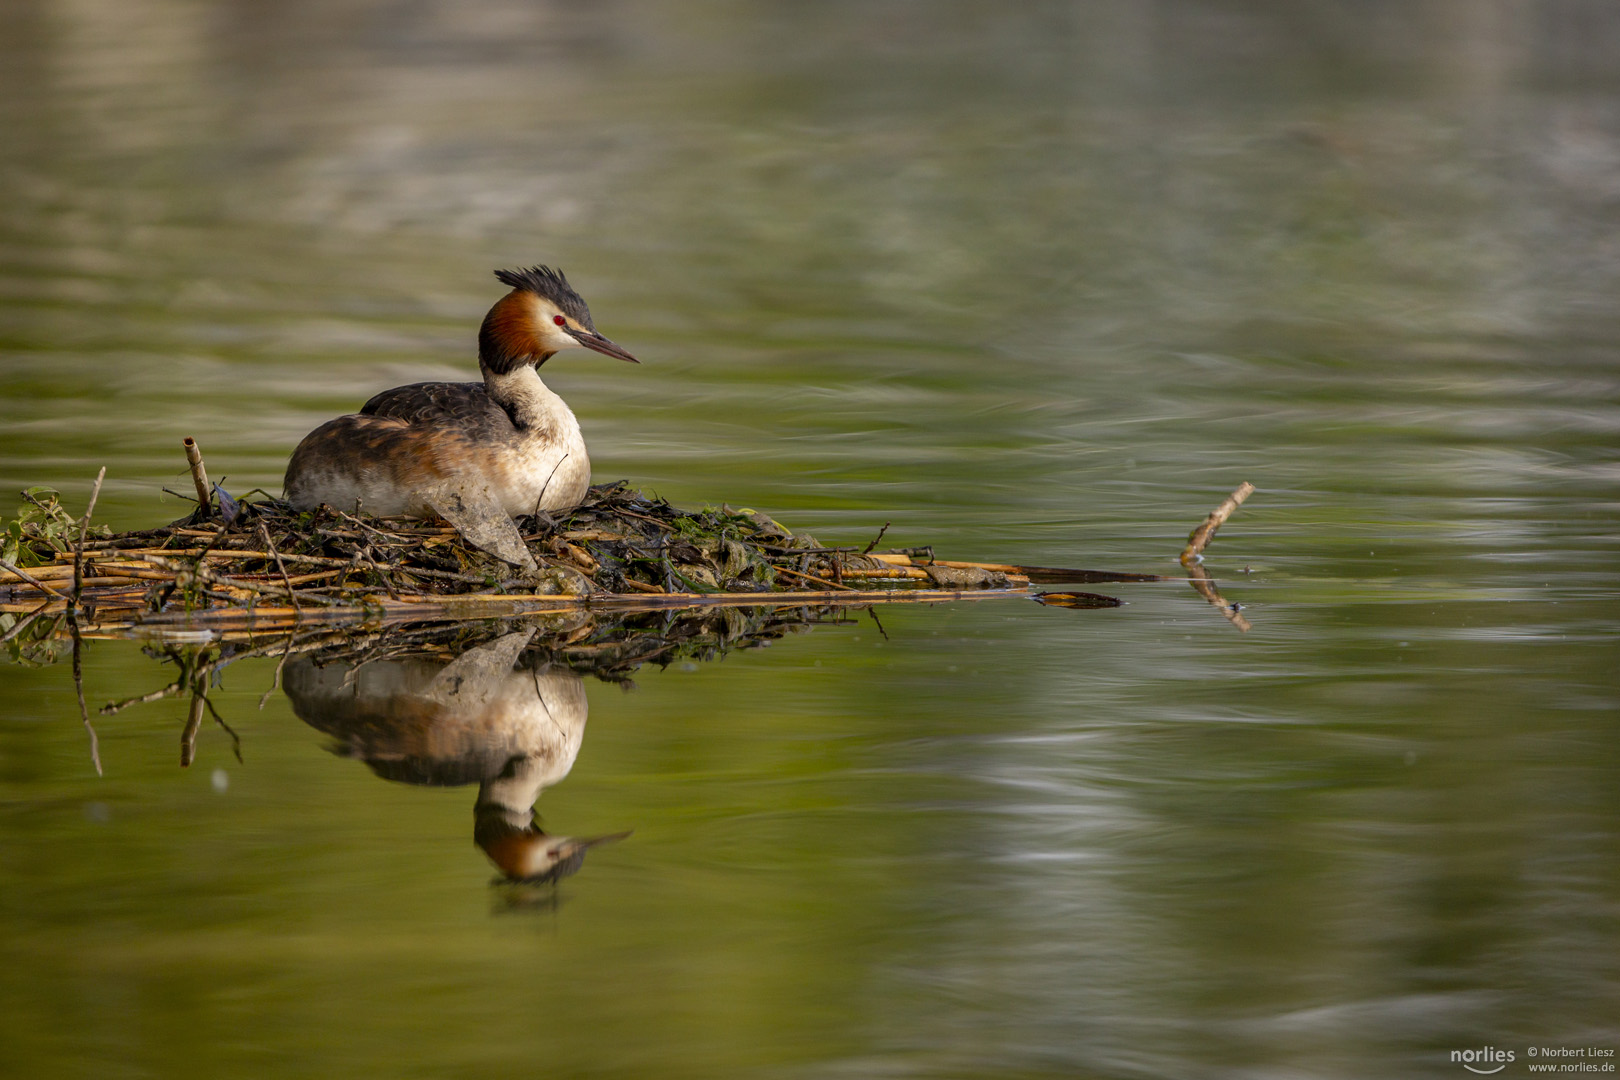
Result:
<point x="52" y="607"/>
<point x="37" y="574"/>
<point x="579" y="557"/>
<point x="202" y="573"/>
<point x="199" y="474"/>
<point x="253" y="624"/>
<point x="850" y="598"/>
<point x="233" y="553"/>
<point x="581" y="534"/>
<point x="892" y="572"/>
<point x="305" y="579"/>
<point x="919" y="573"/>
<point x="817" y="580"/>
<point x="1047" y="575"/>
<point x="31" y="579"/>
<point x="298" y="560"/>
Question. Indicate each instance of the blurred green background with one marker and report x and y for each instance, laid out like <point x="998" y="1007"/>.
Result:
<point x="1034" y="282"/>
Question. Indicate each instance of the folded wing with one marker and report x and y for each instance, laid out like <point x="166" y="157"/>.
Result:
<point x="465" y="406"/>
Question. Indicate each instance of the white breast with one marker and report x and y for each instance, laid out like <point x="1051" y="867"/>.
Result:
<point x="546" y="467"/>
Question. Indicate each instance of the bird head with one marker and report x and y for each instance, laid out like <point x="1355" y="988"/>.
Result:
<point x="539" y="318"/>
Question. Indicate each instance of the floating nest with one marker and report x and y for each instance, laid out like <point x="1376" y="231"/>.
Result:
<point x="260" y="560"/>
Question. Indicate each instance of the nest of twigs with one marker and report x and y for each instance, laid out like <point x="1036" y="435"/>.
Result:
<point x="620" y="546"/>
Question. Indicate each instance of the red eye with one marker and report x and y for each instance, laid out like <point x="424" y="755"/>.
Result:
<point x="559" y="320"/>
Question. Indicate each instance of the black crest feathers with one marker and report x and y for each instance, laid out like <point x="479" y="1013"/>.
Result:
<point x="551" y="284"/>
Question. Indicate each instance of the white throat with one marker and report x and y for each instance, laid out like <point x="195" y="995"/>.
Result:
<point x="532" y="403"/>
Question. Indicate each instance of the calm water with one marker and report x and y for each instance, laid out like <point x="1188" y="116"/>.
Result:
<point x="1037" y="284"/>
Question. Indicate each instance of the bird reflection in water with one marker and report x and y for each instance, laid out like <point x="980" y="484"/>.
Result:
<point x="498" y="705"/>
<point x="494" y="715"/>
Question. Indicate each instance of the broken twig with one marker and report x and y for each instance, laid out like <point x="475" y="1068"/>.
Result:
<point x="84" y="529"/>
<point x="194" y="717"/>
<point x="1199" y="579"/>
<point x="1205" y="532"/>
<point x="867" y="550"/>
<point x="270" y="546"/>
<point x="199" y="474"/>
<point x="78" y="687"/>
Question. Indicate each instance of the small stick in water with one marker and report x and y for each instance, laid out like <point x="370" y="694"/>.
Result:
<point x="236" y="740"/>
<point x="1200" y="580"/>
<point x="1202" y="535"/>
<point x="1077" y="600"/>
<point x="868" y="549"/>
<point x="275" y="680"/>
<point x="194" y="718"/>
<point x="154" y="695"/>
<point x="84" y="530"/>
<point x="78" y="686"/>
<point x="199" y="475"/>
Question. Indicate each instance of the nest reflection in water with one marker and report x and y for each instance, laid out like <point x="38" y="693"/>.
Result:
<point x="500" y="704"/>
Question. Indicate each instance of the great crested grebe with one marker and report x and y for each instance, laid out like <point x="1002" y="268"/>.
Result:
<point x="477" y="454"/>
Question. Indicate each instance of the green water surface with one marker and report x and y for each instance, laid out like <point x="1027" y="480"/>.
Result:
<point x="1035" y="283"/>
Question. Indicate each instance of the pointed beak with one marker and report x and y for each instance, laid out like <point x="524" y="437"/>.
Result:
<point x="597" y="343"/>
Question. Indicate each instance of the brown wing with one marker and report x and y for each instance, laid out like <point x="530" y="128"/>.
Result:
<point x="395" y="468"/>
<point x="381" y="458"/>
<point x="466" y="406"/>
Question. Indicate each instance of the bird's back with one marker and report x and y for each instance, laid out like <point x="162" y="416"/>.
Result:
<point x="465" y="406"/>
